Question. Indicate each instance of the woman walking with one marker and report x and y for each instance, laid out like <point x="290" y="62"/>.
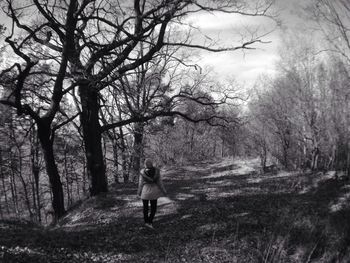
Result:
<point x="150" y="189"/>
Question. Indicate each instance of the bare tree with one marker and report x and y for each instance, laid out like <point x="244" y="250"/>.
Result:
<point x="147" y="23"/>
<point x="16" y="79"/>
<point x="333" y="20"/>
<point x="303" y="111"/>
<point x="94" y="44"/>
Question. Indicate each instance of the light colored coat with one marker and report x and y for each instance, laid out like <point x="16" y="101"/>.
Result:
<point x="150" y="188"/>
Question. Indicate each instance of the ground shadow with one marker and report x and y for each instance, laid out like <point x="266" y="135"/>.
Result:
<point x="227" y="210"/>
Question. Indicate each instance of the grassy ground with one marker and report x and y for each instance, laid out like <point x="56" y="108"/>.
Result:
<point x="216" y="212"/>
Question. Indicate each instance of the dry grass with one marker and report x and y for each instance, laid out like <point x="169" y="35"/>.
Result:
<point x="214" y="214"/>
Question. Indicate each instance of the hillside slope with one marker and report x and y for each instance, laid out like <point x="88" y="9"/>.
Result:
<point x="215" y="212"/>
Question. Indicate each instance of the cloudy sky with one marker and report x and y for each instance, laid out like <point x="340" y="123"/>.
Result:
<point x="247" y="66"/>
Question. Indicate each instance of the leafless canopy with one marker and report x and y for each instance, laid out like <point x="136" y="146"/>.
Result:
<point x="99" y="41"/>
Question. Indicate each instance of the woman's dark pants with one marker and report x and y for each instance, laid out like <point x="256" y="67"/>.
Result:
<point x="149" y="218"/>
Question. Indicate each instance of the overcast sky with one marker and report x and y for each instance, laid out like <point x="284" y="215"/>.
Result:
<point x="246" y="66"/>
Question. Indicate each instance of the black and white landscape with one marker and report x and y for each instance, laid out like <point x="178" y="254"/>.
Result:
<point x="240" y="109"/>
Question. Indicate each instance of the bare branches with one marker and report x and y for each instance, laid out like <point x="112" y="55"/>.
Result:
<point x="22" y="74"/>
<point x="25" y="72"/>
<point x="68" y="51"/>
<point x="32" y="32"/>
<point x="110" y="43"/>
<point x="333" y="19"/>
<point x="212" y="120"/>
<point x="25" y="109"/>
<point x="68" y="120"/>
<point x="98" y="47"/>
<point x="236" y="7"/>
<point x="55" y="25"/>
<point x="246" y="45"/>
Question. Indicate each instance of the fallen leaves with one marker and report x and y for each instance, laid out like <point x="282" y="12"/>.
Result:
<point x="234" y="221"/>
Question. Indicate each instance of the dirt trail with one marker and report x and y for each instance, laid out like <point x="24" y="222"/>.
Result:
<point x="204" y="181"/>
<point x="215" y="212"/>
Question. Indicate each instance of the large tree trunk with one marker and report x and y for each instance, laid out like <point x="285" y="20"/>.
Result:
<point x="137" y="150"/>
<point x="51" y="169"/>
<point x="89" y="118"/>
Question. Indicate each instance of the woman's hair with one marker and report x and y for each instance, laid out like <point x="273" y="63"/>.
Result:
<point x="148" y="163"/>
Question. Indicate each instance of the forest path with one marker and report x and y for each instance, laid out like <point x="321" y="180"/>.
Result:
<point x="216" y="212"/>
<point x="200" y="182"/>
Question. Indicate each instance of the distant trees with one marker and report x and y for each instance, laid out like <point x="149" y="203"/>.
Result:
<point x="303" y="113"/>
<point x="19" y="184"/>
<point x="333" y="20"/>
<point x="25" y="188"/>
<point x="42" y="107"/>
<point x="177" y="141"/>
<point x="300" y="119"/>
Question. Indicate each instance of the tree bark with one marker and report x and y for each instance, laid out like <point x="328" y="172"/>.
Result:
<point x="13" y="186"/>
<point x="24" y="185"/>
<point x="263" y="155"/>
<point x="46" y="142"/>
<point x="91" y="128"/>
<point x="124" y="156"/>
<point x="68" y="181"/>
<point x="115" y="161"/>
<point x="76" y="178"/>
<point x="35" y="207"/>
<point x="5" y="193"/>
<point x="36" y="173"/>
<point x="137" y="149"/>
<point x="2" y="175"/>
<point x="84" y="176"/>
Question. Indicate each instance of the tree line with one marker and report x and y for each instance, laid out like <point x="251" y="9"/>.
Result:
<point x="300" y="117"/>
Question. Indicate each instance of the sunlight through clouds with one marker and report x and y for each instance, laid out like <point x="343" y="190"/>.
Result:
<point x="231" y="30"/>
